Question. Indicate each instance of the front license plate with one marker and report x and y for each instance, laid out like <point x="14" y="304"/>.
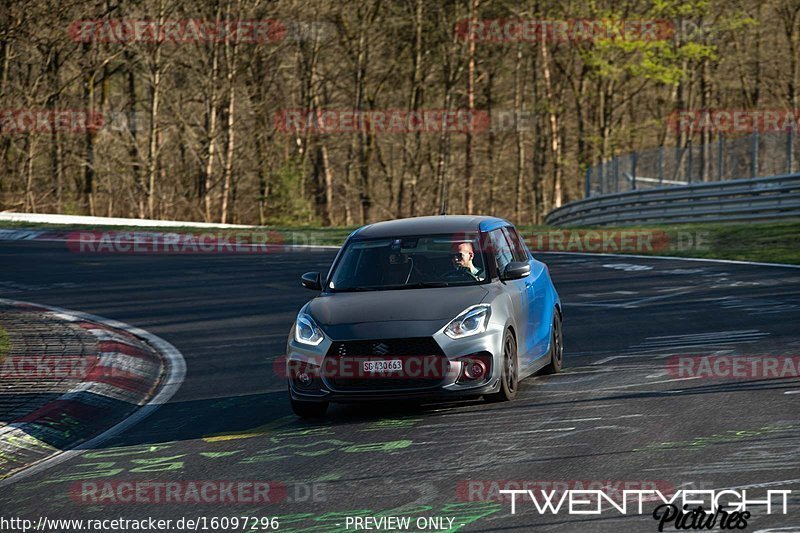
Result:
<point x="392" y="365"/>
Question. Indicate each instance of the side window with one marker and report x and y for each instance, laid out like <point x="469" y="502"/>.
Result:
<point x="501" y="250"/>
<point x="517" y="246"/>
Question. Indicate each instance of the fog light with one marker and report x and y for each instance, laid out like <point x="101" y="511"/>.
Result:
<point x="474" y="369"/>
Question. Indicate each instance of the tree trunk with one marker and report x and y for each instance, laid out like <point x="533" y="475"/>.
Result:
<point x="520" y="162"/>
<point x="468" y="163"/>
<point x="705" y="103"/>
<point x="231" y="64"/>
<point x="89" y="165"/>
<point x="29" y="200"/>
<point x="133" y="142"/>
<point x="555" y="134"/>
<point x="491" y="143"/>
<point x="364" y="137"/>
<point x="56" y="152"/>
<point x="443" y="159"/>
<point x="323" y="178"/>
<point x="211" y="125"/>
<point x="412" y="167"/>
<point x="153" y="132"/>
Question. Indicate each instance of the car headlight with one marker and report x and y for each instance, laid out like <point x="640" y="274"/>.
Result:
<point x="470" y="322"/>
<point x="306" y="330"/>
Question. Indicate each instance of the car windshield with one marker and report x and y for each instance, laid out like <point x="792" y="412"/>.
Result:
<point x="409" y="263"/>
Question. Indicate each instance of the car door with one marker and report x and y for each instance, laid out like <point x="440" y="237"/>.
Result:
<point x="516" y="289"/>
<point x="537" y="325"/>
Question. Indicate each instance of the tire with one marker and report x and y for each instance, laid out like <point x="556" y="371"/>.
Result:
<point x="509" y="378"/>
<point x="556" y="346"/>
<point x="308" y="409"/>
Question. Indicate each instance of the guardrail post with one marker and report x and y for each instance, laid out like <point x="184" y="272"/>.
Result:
<point x="660" y="166"/>
<point x="789" y="152"/>
<point x="720" y="159"/>
<point x="588" y="183"/>
<point x="633" y="170"/>
<point x="754" y="158"/>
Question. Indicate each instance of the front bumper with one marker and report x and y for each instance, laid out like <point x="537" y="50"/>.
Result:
<point x="446" y="386"/>
<point x="434" y="394"/>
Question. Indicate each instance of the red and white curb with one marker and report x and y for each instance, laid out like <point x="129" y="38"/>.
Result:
<point x="134" y="368"/>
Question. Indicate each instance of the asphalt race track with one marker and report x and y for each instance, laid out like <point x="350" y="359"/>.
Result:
<point x="616" y="414"/>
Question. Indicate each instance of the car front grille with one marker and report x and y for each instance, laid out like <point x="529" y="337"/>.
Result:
<point x="424" y="364"/>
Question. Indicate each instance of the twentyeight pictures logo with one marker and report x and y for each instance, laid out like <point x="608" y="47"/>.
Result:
<point x="684" y="509"/>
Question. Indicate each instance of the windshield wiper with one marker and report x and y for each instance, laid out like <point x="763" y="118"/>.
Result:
<point x="418" y="285"/>
<point x="357" y="289"/>
<point x="422" y="285"/>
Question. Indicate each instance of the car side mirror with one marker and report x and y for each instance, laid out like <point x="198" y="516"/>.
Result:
<point x="516" y="270"/>
<point x="311" y="280"/>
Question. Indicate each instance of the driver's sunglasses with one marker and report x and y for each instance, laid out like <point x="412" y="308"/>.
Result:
<point x="458" y="256"/>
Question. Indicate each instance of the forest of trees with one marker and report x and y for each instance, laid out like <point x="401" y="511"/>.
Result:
<point x="188" y="128"/>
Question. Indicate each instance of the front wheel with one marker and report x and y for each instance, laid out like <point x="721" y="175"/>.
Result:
<point x="556" y="346"/>
<point x="509" y="378"/>
<point x="308" y="409"/>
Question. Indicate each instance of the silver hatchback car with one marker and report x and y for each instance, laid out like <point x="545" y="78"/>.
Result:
<point x="427" y="307"/>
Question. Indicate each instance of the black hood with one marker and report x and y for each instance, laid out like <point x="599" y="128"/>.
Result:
<point x="391" y="314"/>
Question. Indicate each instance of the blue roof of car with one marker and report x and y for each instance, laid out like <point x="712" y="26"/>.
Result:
<point x="430" y="225"/>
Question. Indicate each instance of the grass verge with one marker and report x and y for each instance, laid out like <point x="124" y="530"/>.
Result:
<point x="5" y="343"/>
<point x="767" y="242"/>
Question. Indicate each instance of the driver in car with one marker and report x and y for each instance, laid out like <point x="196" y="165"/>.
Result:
<point x="462" y="260"/>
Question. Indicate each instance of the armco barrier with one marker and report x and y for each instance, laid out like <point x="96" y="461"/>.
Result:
<point x="735" y="200"/>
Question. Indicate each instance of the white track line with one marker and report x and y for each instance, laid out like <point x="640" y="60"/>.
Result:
<point x="43" y="218"/>
<point x="175" y="374"/>
<point x="283" y="248"/>
<point x="725" y="261"/>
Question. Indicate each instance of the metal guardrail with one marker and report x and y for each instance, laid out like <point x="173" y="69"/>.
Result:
<point x="757" y="155"/>
<point x="734" y="200"/>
